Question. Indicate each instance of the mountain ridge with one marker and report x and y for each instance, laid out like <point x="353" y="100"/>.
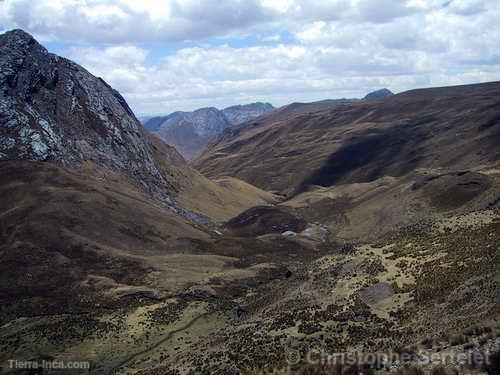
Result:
<point x="190" y="132"/>
<point x="56" y="110"/>
<point x="362" y="133"/>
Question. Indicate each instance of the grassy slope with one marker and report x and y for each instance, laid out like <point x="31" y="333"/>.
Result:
<point x="219" y="200"/>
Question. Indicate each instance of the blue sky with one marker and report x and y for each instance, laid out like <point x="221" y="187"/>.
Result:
<point x="168" y="55"/>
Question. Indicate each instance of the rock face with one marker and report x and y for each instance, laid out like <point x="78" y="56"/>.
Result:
<point x="190" y="132"/>
<point x="379" y="94"/>
<point x="52" y="109"/>
<point x="205" y="122"/>
<point x="239" y="114"/>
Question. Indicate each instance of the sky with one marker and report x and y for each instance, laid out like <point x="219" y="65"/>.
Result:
<point x="169" y="55"/>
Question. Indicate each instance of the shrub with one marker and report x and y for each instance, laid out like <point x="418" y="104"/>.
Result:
<point x="427" y="343"/>
<point x="457" y="340"/>
<point x="471" y="331"/>
<point x="482" y="340"/>
<point x="441" y="370"/>
<point x="335" y="370"/>
<point x="477" y="331"/>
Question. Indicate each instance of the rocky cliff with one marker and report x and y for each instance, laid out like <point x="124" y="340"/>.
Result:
<point x="52" y="109"/>
<point x="239" y="114"/>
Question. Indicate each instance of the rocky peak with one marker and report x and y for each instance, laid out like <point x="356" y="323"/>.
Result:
<point x="207" y="121"/>
<point x="379" y="94"/>
<point x="20" y="40"/>
<point x="53" y="109"/>
<point x="190" y="132"/>
<point x="239" y="114"/>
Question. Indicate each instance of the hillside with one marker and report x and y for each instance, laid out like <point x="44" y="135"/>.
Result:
<point x="356" y="142"/>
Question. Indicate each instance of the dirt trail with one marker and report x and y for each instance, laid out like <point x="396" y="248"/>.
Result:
<point x="157" y="344"/>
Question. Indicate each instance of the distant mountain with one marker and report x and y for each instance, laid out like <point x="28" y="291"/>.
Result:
<point x="239" y="114"/>
<point x="152" y="123"/>
<point x="379" y="94"/>
<point x="190" y="132"/>
<point x="144" y="119"/>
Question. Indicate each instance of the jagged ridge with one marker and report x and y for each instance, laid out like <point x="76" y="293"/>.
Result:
<point x="53" y="109"/>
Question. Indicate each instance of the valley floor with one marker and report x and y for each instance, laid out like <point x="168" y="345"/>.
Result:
<point x="275" y="301"/>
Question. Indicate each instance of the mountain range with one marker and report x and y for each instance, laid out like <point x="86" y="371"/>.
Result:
<point x="190" y="132"/>
<point x="339" y="226"/>
<point x="361" y="141"/>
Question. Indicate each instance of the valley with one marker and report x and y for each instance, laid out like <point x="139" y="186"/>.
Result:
<point x="310" y="230"/>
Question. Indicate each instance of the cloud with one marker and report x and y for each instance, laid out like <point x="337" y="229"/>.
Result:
<point x="131" y="21"/>
<point x="382" y="11"/>
<point x="467" y="7"/>
<point x="235" y="51"/>
<point x="227" y="75"/>
<point x="123" y="66"/>
<point x="120" y="21"/>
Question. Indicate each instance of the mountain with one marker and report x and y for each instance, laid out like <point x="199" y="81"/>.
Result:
<point x="405" y="194"/>
<point x="239" y="114"/>
<point x="52" y="109"/>
<point x="383" y="237"/>
<point x="379" y="94"/>
<point x="361" y="141"/>
<point x="92" y="196"/>
<point x="190" y="132"/>
<point x="144" y="119"/>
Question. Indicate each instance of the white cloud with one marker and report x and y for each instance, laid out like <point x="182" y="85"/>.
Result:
<point x="126" y="21"/>
<point x="225" y="75"/>
<point x="467" y="7"/>
<point x="119" y="21"/>
<point x="295" y="50"/>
